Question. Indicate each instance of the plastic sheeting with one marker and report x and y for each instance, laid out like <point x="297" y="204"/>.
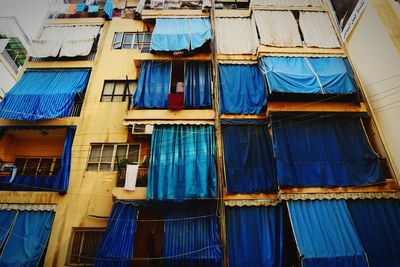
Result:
<point x="325" y="234"/>
<point x="44" y="94"/>
<point x="318" y="30"/>
<point x="289" y="3"/>
<point x="242" y="89"/>
<point x="191" y="237"/>
<point x="377" y="223"/>
<point x="277" y="28"/>
<point x="308" y="75"/>
<point x="182" y="163"/>
<point x="153" y="86"/>
<point x="28" y="239"/>
<point x="6" y="220"/>
<point x="249" y="160"/>
<point x="180" y="34"/>
<point x="245" y="39"/>
<point x="324" y="152"/>
<point x="197" y="84"/>
<point x="116" y="248"/>
<point x="254" y="236"/>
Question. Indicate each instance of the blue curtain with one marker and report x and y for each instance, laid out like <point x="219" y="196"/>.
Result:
<point x="323" y="152"/>
<point x="116" y="248"/>
<point x="249" y="160"/>
<point x="62" y="180"/>
<point x="325" y="234"/>
<point x="182" y="163"/>
<point x="255" y="236"/>
<point x="28" y="239"/>
<point x="193" y="233"/>
<point x="108" y="10"/>
<point x="242" y="89"/>
<point x="153" y="86"/>
<point x="197" y="84"/>
<point x="377" y="222"/>
<point x="6" y="219"/>
<point x="307" y="75"/>
<point x="44" y="94"/>
<point x="180" y="34"/>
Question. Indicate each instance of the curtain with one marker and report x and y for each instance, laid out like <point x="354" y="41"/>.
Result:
<point x="277" y="28"/>
<point x="62" y="180"/>
<point x="180" y="34"/>
<point x="6" y="220"/>
<point x="254" y="236"/>
<point x="318" y="30"/>
<point x="308" y="75"/>
<point x="116" y="248"/>
<point x="44" y="94"/>
<point x="289" y="3"/>
<point x="28" y="183"/>
<point x="325" y="234"/>
<point x="79" y="41"/>
<point x="197" y="84"/>
<point x="182" y="163"/>
<point x="249" y="162"/>
<point x="108" y="9"/>
<point x="28" y="239"/>
<point x="192" y="233"/>
<point x="245" y="39"/>
<point x="324" y="152"/>
<point x="49" y="42"/>
<point x="153" y="86"/>
<point x="242" y="89"/>
<point x="377" y="223"/>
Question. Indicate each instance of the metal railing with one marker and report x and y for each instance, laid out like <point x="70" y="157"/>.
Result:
<point x="10" y="61"/>
<point x="91" y="56"/>
<point x="141" y="180"/>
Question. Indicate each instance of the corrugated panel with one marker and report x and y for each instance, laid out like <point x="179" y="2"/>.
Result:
<point x="33" y="207"/>
<point x="289" y="3"/>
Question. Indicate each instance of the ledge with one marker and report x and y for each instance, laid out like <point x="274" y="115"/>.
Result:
<point x="243" y="117"/>
<point x="304" y="8"/>
<point x="163" y="114"/>
<point x="223" y="57"/>
<point x="299" y="51"/>
<point x="139" y="57"/>
<point x="151" y="13"/>
<point x="233" y="12"/>
<point x="120" y="193"/>
<point x="68" y="121"/>
<point x="94" y="20"/>
<point x="59" y="64"/>
<point x="29" y="197"/>
<point x="293" y="107"/>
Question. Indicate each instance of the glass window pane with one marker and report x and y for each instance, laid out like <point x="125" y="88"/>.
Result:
<point x="44" y="167"/>
<point x="132" y="87"/>
<point x="127" y="42"/>
<point x="31" y="167"/>
<point x="119" y="88"/>
<point x="108" y="88"/>
<point x="106" y="98"/>
<point x="120" y="155"/>
<point x="92" y="166"/>
<point x="107" y="153"/>
<point x="19" y="163"/>
<point x="118" y="98"/>
<point x="117" y="40"/>
<point x="133" y="153"/>
<point x="95" y="153"/>
<point x="105" y="167"/>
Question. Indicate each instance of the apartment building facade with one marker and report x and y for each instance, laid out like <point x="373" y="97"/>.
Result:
<point x="177" y="133"/>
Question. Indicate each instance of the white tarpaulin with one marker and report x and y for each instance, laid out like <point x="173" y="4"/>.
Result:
<point x="79" y="41"/>
<point x="50" y="42"/>
<point x="290" y="3"/>
<point x="318" y="30"/>
<point x="277" y="28"/>
<point x="236" y="36"/>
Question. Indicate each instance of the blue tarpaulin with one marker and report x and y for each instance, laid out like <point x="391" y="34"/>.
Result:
<point x="116" y="248"/>
<point x="249" y="160"/>
<point x="153" y="85"/>
<point x="180" y="34"/>
<point x="254" y="236"/>
<point x="6" y="221"/>
<point x="182" y="163"/>
<point x="44" y="94"/>
<point x="191" y="237"/>
<point x="62" y="180"/>
<point x="242" y="89"/>
<point x="108" y="10"/>
<point x="308" y="75"/>
<point x="323" y="152"/>
<point x="325" y="234"/>
<point x="377" y="222"/>
<point x="28" y="238"/>
<point x="197" y="84"/>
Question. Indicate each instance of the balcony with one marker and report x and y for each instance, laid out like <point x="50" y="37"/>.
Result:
<point x="76" y="9"/>
<point x="141" y="180"/>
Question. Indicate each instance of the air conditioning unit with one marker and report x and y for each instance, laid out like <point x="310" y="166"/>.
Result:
<point x="140" y="129"/>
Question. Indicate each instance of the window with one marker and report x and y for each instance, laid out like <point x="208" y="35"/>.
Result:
<point x="37" y="166"/>
<point x="129" y="40"/>
<point x="83" y="245"/>
<point x="116" y="91"/>
<point x="105" y="157"/>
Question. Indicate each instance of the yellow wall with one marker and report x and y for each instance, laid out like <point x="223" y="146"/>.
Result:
<point x="373" y="51"/>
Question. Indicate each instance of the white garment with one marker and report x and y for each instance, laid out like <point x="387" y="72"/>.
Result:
<point x="131" y="176"/>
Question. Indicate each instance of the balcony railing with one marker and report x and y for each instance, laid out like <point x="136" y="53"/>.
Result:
<point x="141" y="180"/>
<point x="10" y="61"/>
<point x="91" y="56"/>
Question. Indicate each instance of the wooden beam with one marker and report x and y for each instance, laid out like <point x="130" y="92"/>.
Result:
<point x="288" y="107"/>
<point x="164" y="114"/>
<point x="264" y="50"/>
<point x="243" y="117"/>
<point x="139" y="57"/>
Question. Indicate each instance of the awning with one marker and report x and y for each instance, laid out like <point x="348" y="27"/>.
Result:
<point x="180" y="34"/>
<point x="44" y="94"/>
<point x="191" y="237"/>
<point x="318" y="30"/>
<point x="249" y="160"/>
<point x="255" y="236"/>
<point x="182" y="163"/>
<point x="325" y="234"/>
<point x="323" y="152"/>
<point x="116" y="248"/>
<point x="308" y="75"/>
<point x="65" y="41"/>
<point x="245" y="39"/>
<point x="277" y="28"/>
<point x="377" y="224"/>
<point x="242" y="89"/>
<point x="286" y="3"/>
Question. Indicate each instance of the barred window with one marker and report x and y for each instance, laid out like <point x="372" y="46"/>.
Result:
<point x="117" y="91"/>
<point x="37" y="166"/>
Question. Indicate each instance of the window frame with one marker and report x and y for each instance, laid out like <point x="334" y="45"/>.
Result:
<point x="124" y="96"/>
<point x="140" y="41"/>
<point x="113" y="157"/>
<point x="54" y="161"/>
